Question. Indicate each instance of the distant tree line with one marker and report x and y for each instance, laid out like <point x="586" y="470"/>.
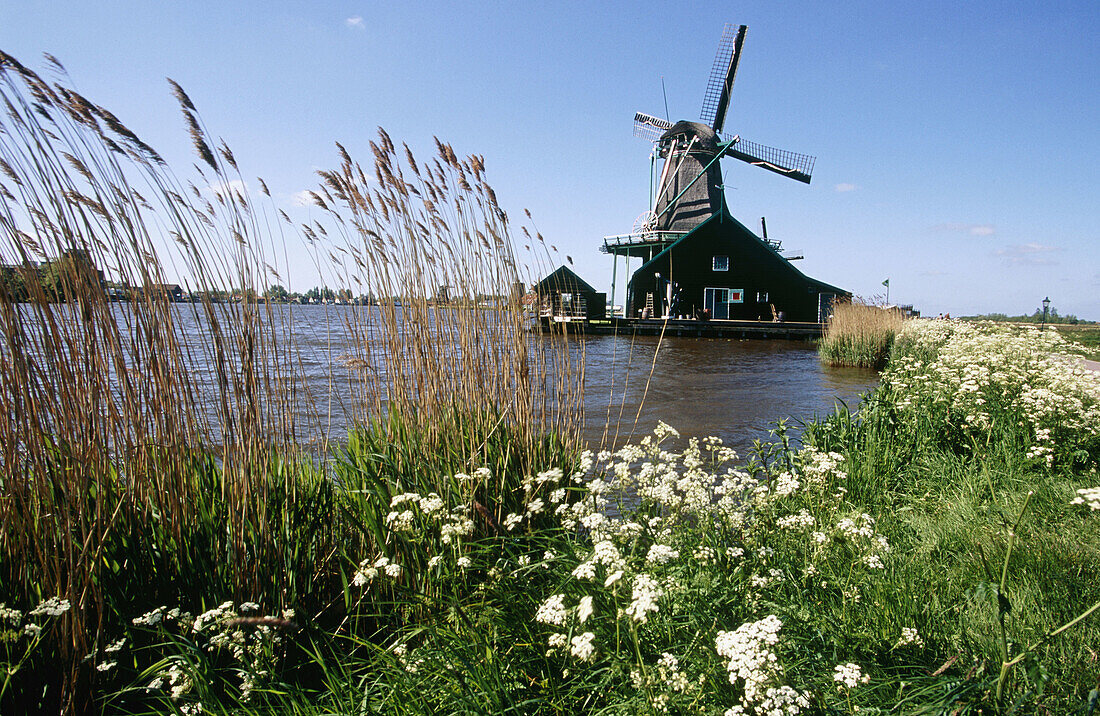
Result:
<point x="1037" y="317"/>
<point x="49" y="280"/>
<point x="74" y="273"/>
<point x="318" y="294"/>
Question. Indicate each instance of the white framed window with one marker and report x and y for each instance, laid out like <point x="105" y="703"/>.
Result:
<point x="761" y="296"/>
<point x="721" y="263"/>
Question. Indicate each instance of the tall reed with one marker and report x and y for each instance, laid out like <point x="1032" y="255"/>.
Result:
<point x="860" y="335"/>
<point x="159" y="444"/>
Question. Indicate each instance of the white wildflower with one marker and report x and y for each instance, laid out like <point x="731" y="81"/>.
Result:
<point x="151" y="618"/>
<point x="849" y="676"/>
<point x="553" y="611"/>
<point x="52" y="607"/>
<point x="786" y="484"/>
<point x="661" y="554"/>
<point x="803" y="520"/>
<point x="704" y="554"/>
<point x="1089" y="496"/>
<point x="665" y="430"/>
<point x="584" y="609"/>
<point x="585" y="570"/>
<point x="403" y="521"/>
<point x="401" y="499"/>
<point x="581" y="647"/>
<point x="873" y="561"/>
<point x="431" y="504"/>
<point x="909" y="635"/>
<point x="556" y="641"/>
<point x="645" y="596"/>
<point x="750" y="658"/>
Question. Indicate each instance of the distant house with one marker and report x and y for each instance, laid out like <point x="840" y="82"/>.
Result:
<point x="721" y="270"/>
<point x="563" y="295"/>
<point x="171" y="290"/>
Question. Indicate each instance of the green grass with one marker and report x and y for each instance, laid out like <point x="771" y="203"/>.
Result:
<point x="1087" y="336"/>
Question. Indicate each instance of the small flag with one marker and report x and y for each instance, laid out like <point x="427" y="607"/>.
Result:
<point x="886" y="283"/>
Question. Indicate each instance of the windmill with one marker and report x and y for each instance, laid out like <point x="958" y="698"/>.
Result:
<point x="696" y="259"/>
<point x="689" y="189"/>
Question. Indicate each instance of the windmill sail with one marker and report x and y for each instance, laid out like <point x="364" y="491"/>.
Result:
<point x="649" y="127"/>
<point x="792" y="164"/>
<point x="722" y="75"/>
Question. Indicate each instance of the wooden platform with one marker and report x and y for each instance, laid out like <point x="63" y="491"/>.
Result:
<point x="690" y="328"/>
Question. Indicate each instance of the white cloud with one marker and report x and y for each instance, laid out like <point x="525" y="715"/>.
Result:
<point x="303" y="198"/>
<point x="932" y="272"/>
<point x="355" y="23"/>
<point x="972" y="229"/>
<point x="1030" y="254"/>
<point x="845" y="187"/>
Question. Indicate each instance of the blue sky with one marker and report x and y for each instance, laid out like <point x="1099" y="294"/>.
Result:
<point x="956" y="143"/>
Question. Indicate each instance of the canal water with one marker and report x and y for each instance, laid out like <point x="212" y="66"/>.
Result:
<point x="729" y="388"/>
<point x="732" y="389"/>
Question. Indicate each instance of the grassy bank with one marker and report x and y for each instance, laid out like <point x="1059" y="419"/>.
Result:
<point x="171" y="546"/>
<point x="859" y="335"/>
<point x="1086" y="337"/>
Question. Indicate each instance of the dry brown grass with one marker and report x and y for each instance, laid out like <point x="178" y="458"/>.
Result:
<point x="861" y="335"/>
<point x="116" y="415"/>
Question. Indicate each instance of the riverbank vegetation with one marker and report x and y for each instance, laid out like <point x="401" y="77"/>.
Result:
<point x="176" y="541"/>
<point x="859" y="334"/>
<point x="1084" y="335"/>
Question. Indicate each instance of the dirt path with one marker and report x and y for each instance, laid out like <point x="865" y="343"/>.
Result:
<point x="1092" y="365"/>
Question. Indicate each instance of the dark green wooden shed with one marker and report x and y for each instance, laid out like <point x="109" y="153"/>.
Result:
<point x="720" y="270"/>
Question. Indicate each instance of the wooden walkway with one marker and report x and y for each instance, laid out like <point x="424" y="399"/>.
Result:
<point x="690" y="328"/>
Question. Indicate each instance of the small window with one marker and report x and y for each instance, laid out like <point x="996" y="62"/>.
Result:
<point x="761" y="296"/>
<point x="735" y="295"/>
<point x="721" y="263"/>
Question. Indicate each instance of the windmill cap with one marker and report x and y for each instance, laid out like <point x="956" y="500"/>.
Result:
<point x="708" y="138"/>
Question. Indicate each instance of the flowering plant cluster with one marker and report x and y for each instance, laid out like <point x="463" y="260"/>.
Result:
<point x="974" y="378"/>
<point x="241" y="632"/>
<point x="658" y="533"/>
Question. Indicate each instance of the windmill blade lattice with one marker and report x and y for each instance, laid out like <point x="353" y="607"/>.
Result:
<point x="722" y="74"/>
<point x="649" y="127"/>
<point x="781" y="161"/>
